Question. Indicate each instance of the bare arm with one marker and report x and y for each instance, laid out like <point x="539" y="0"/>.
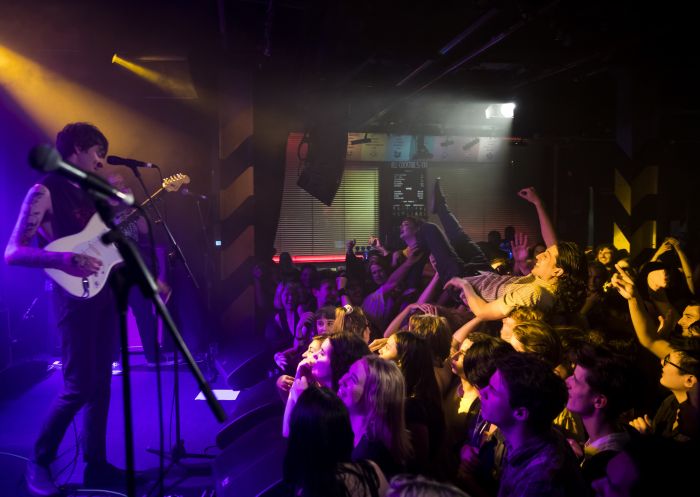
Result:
<point x="546" y="227"/>
<point x="463" y="331"/>
<point x="685" y="264"/>
<point x="401" y="272"/>
<point x="486" y="311"/>
<point x="643" y="324"/>
<point x="35" y="208"/>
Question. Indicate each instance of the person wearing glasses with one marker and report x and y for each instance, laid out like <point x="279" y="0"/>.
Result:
<point x="680" y="361"/>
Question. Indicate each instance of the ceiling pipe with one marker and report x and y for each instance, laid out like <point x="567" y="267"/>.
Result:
<point x="467" y="58"/>
<point x="451" y="44"/>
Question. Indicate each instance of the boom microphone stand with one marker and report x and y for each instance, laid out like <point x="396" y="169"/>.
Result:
<point x="177" y="452"/>
<point x="137" y="273"/>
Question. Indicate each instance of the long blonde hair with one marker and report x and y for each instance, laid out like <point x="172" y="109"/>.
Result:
<point x="382" y="402"/>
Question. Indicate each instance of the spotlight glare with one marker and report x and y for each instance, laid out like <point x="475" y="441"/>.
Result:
<point x="508" y="110"/>
<point x="500" y="111"/>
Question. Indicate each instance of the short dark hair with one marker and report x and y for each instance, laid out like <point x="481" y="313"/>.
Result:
<point x="80" y="136"/>
<point x="532" y="384"/>
<point x="689" y="350"/>
<point x="481" y="358"/>
<point x="608" y="374"/>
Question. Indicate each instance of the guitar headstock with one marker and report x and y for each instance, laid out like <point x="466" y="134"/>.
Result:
<point x="174" y="182"/>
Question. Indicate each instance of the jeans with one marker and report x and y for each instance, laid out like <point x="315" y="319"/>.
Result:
<point x="454" y="251"/>
<point x="87" y="331"/>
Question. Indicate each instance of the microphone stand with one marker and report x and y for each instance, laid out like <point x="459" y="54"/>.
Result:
<point x="178" y="451"/>
<point x="161" y="220"/>
<point x="137" y="273"/>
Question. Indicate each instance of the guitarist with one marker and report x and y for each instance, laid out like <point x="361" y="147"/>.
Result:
<point x="52" y="209"/>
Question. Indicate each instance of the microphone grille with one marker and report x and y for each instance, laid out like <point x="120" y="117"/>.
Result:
<point x="44" y="158"/>
<point x="114" y="160"/>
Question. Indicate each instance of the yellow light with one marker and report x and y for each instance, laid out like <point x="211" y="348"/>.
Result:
<point x="51" y="101"/>
<point x="175" y="86"/>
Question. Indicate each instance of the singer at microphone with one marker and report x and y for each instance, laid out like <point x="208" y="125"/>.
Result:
<point x="132" y="163"/>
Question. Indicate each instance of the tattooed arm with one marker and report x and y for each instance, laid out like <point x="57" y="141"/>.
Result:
<point x="35" y="208"/>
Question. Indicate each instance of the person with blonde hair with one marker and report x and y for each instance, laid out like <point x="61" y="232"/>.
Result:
<point x="374" y="391"/>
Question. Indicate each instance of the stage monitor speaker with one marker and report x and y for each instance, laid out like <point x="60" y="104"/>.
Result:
<point x="252" y="464"/>
<point x="325" y="161"/>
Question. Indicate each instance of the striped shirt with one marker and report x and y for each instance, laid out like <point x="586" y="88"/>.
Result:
<point x="516" y="291"/>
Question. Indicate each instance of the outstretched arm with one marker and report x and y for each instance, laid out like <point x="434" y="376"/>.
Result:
<point x="643" y="324"/>
<point x="402" y="271"/>
<point x="486" y="311"/>
<point x="546" y="227"/>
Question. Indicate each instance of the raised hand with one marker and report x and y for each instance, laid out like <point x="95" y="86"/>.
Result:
<point x="642" y="425"/>
<point x="457" y="283"/>
<point x="428" y="309"/>
<point x="350" y="246"/>
<point x="530" y="194"/>
<point x="519" y="246"/>
<point x="623" y="283"/>
<point x="377" y="344"/>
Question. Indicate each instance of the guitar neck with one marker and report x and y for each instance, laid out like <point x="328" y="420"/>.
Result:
<point x="145" y="203"/>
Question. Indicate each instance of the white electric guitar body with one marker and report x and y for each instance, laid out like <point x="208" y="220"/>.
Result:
<point x="89" y="242"/>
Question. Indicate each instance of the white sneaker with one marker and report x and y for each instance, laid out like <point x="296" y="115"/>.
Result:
<point x="39" y="481"/>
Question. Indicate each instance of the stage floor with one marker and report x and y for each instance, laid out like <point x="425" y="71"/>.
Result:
<point x="27" y="389"/>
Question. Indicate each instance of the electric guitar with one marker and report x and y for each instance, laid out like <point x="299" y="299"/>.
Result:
<point x="88" y="242"/>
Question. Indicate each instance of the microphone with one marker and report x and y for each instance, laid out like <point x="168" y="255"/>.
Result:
<point x="47" y="159"/>
<point x="186" y="191"/>
<point x="132" y="163"/>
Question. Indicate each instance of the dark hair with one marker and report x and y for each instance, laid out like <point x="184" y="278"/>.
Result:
<point x="606" y="246"/>
<point x="327" y="312"/>
<point x="608" y="374"/>
<point x="532" y="384"/>
<point x="571" y="286"/>
<point x="79" y="136"/>
<point x="320" y="440"/>
<point x="689" y="350"/>
<point x="416" y="363"/>
<point x="346" y="348"/>
<point x="481" y="358"/>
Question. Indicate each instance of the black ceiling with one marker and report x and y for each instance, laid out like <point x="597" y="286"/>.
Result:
<point x="400" y="62"/>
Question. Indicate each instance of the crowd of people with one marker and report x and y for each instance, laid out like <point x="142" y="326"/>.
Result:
<point x="501" y="368"/>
